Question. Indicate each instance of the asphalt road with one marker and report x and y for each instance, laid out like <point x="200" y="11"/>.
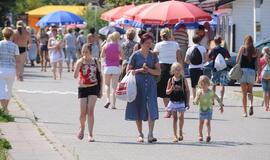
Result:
<point x="55" y="104"/>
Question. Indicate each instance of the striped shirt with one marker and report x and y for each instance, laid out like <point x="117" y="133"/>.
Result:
<point x="181" y="37"/>
<point x="8" y="51"/>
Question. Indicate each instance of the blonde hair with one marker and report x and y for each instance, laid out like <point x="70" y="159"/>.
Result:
<point x="265" y="50"/>
<point x="203" y="79"/>
<point x="7" y="33"/>
<point x="166" y="33"/>
<point x="176" y="65"/>
<point x="115" y="36"/>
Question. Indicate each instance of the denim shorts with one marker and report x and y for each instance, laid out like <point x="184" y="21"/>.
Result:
<point x="266" y="85"/>
<point x="248" y="76"/>
<point x="220" y="77"/>
<point x="206" y="115"/>
<point x="71" y="54"/>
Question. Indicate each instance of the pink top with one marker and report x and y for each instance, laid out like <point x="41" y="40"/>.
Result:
<point x="262" y="65"/>
<point x="112" y="54"/>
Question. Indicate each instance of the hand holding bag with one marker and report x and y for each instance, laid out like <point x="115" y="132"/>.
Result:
<point x="126" y="90"/>
<point x="236" y="72"/>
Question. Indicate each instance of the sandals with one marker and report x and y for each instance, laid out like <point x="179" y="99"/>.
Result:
<point x="151" y="139"/>
<point x="251" y="112"/>
<point x="180" y="138"/>
<point x="175" y="140"/>
<point x="91" y="139"/>
<point x="244" y="115"/>
<point x="140" y="138"/>
<point x="107" y="105"/>
<point x="80" y="135"/>
<point x="200" y="138"/>
<point x="208" y="139"/>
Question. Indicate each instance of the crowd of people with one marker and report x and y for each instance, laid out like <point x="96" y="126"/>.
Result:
<point x="158" y="68"/>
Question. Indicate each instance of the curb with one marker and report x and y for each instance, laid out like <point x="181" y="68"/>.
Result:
<point x="55" y="144"/>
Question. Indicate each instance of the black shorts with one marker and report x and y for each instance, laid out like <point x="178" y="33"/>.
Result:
<point x="164" y="77"/>
<point x="195" y="74"/>
<point x="44" y="48"/>
<point x="84" y="92"/>
<point x="22" y="50"/>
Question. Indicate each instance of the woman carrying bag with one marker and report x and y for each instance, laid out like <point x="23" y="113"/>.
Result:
<point x="248" y="57"/>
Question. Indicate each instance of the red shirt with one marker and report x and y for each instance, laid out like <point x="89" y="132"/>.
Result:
<point x="88" y="74"/>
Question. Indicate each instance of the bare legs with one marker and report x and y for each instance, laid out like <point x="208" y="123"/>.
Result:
<point x="20" y="66"/>
<point x="179" y="117"/>
<point x="4" y="104"/>
<point x="166" y="101"/>
<point x="208" y="125"/>
<point x="87" y="106"/>
<point x="151" y="125"/>
<point x="266" y="97"/>
<point x="44" y="60"/>
<point x="57" y="66"/>
<point x="108" y="79"/>
<point x="222" y="91"/>
<point x="247" y="92"/>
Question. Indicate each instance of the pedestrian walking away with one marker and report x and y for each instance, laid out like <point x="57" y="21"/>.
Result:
<point x="168" y="52"/>
<point x="178" y="90"/>
<point x="264" y="76"/>
<point x="90" y="88"/>
<point x="196" y="56"/>
<point x="43" y="39"/>
<point x="145" y="66"/>
<point x="112" y="53"/>
<point x="248" y="56"/>
<point x="204" y="98"/>
<point x="219" y="75"/>
<point x="71" y="47"/>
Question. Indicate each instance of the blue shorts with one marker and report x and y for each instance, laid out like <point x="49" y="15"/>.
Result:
<point x="71" y="54"/>
<point x="220" y="77"/>
<point x="248" y="76"/>
<point x="266" y="85"/>
<point x="206" y="115"/>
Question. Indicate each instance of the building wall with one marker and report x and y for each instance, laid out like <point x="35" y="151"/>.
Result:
<point x="264" y="18"/>
<point x="242" y="17"/>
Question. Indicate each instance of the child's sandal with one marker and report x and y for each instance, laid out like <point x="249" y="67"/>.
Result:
<point x="175" y="140"/>
<point x="180" y="138"/>
<point x="200" y="139"/>
<point x="208" y="139"/>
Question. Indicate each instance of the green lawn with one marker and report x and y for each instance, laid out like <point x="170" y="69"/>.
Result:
<point x="258" y="94"/>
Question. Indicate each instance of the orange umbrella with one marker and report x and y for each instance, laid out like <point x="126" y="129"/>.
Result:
<point x="115" y="13"/>
<point x="172" y="12"/>
<point x="130" y="14"/>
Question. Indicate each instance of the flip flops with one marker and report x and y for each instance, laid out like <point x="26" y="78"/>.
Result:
<point x="107" y="105"/>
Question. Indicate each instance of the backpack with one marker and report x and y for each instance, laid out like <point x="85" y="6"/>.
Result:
<point x="265" y="74"/>
<point x="196" y="56"/>
<point x="220" y="62"/>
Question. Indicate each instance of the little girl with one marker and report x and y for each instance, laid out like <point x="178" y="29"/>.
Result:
<point x="178" y="90"/>
<point x="205" y="97"/>
<point x="90" y="88"/>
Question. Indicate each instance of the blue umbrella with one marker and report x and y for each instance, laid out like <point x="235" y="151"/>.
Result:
<point x="110" y="29"/>
<point x="59" y="18"/>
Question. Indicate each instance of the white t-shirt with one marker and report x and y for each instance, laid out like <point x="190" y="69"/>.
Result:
<point x="167" y="51"/>
<point x="202" y="51"/>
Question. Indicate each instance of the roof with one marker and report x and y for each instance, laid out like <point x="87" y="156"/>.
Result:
<point x="52" y="8"/>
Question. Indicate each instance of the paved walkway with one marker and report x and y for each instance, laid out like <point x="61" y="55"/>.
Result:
<point x="28" y="138"/>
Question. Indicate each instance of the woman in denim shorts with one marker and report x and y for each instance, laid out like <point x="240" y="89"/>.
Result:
<point x="249" y="57"/>
<point x="265" y="81"/>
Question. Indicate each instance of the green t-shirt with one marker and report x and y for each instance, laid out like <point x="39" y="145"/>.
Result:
<point x="205" y="101"/>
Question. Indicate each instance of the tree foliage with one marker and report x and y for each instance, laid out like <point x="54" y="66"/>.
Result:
<point x="123" y="2"/>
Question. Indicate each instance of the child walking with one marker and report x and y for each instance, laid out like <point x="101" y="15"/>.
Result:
<point x="205" y="97"/>
<point x="90" y="88"/>
<point x="178" y="90"/>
